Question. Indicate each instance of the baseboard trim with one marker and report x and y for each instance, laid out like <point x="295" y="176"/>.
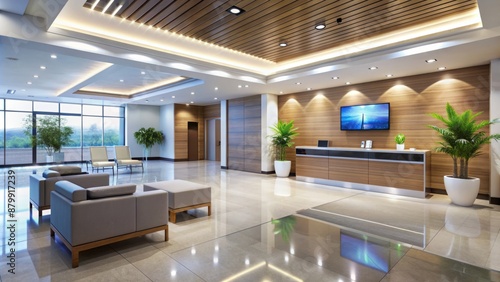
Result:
<point x="495" y="201"/>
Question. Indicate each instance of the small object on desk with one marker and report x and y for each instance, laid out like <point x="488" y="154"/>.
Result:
<point x="412" y="149"/>
<point x="322" y="143"/>
<point x="362" y="144"/>
<point x="369" y="144"/>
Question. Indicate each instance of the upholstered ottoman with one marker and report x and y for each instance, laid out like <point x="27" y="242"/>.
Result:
<point x="183" y="195"/>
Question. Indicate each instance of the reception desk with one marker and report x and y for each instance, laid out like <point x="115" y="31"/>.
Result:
<point x="381" y="170"/>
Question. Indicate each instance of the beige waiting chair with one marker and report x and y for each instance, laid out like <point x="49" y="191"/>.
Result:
<point x="99" y="159"/>
<point x="123" y="159"/>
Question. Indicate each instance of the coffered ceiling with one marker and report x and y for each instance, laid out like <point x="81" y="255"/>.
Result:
<point x="196" y="52"/>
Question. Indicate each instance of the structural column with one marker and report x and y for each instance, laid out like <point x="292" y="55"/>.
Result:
<point x="495" y="129"/>
<point x="269" y="115"/>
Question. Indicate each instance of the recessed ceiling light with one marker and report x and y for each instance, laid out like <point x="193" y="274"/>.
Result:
<point x="320" y="26"/>
<point x="441" y="68"/>
<point x="43" y="67"/>
<point x="430" y="60"/>
<point x="298" y="83"/>
<point x="216" y="88"/>
<point x="246" y="86"/>
<point x="161" y="100"/>
<point x="143" y="72"/>
<point x="239" y="86"/>
<point x="121" y="80"/>
<point x="192" y="93"/>
<point x="29" y="82"/>
<point x="35" y="76"/>
<point x="187" y="104"/>
<point x="11" y="91"/>
<point x="347" y="83"/>
<point x="173" y="97"/>
<point x="283" y="44"/>
<point x="147" y="101"/>
<point x="191" y="102"/>
<point x="389" y="75"/>
<point x="373" y="68"/>
<point x="216" y="98"/>
<point x="335" y="77"/>
<point x="235" y="10"/>
<point x="281" y="92"/>
<point x="309" y="88"/>
<point x="53" y="56"/>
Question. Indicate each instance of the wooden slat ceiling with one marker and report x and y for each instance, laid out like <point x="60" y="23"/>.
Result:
<point x="264" y="24"/>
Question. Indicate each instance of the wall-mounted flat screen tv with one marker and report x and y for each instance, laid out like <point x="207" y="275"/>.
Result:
<point x="365" y="117"/>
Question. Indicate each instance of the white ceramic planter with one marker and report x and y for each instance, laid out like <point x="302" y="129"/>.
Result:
<point x="282" y="168"/>
<point x="400" y="147"/>
<point x="462" y="192"/>
<point x="49" y="159"/>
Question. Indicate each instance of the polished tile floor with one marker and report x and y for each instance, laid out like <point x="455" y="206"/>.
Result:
<point x="265" y="228"/>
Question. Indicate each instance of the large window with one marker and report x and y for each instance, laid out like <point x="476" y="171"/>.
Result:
<point x="92" y="126"/>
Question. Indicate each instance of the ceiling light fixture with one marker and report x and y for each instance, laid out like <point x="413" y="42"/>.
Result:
<point x="216" y="88"/>
<point x="320" y="26"/>
<point x="441" y="68"/>
<point x="430" y="61"/>
<point x="161" y="100"/>
<point x="121" y="80"/>
<point x="373" y="68"/>
<point x="11" y="91"/>
<point x="309" y="88"/>
<point x="239" y="86"/>
<point x="216" y="98"/>
<point x="173" y="97"/>
<point x="117" y="9"/>
<point x="298" y="83"/>
<point x="347" y="83"/>
<point x="35" y="76"/>
<point x="246" y="86"/>
<point x="235" y="10"/>
<point x="143" y="72"/>
<point x="192" y="102"/>
<point x="192" y="93"/>
<point x="53" y="56"/>
<point x="389" y="75"/>
<point x="107" y="6"/>
<point x="29" y="82"/>
<point x="95" y="4"/>
<point x="335" y="77"/>
<point x="43" y="67"/>
<point x="283" y="44"/>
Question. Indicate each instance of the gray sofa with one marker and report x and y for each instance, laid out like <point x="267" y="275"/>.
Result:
<point x="42" y="184"/>
<point x="88" y="218"/>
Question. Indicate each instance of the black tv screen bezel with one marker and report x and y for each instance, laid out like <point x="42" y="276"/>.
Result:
<point x="370" y="104"/>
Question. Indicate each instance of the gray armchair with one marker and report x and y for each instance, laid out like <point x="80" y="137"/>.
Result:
<point x="88" y="218"/>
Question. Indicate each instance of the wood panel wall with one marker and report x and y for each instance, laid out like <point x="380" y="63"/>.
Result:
<point x="244" y="133"/>
<point x="211" y="111"/>
<point x="316" y="114"/>
<point x="182" y="115"/>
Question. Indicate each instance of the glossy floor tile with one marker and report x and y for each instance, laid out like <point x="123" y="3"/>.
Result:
<point x="264" y="228"/>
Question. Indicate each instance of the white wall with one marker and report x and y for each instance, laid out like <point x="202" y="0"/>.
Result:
<point x="269" y="115"/>
<point x="137" y="116"/>
<point x="495" y="128"/>
<point x="167" y="125"/>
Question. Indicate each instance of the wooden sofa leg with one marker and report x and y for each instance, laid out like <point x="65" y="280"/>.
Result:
<point x="74" y="258"/>
<point x="173" y="216"/>
<point x="209" y="209"/>
<point x="166" y="234"/>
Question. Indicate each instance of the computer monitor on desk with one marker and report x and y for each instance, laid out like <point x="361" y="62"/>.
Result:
<point x="322" y="143"/>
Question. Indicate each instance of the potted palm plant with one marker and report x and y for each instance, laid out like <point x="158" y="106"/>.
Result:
<point x="284" y="132"/>
<point x="400" y="141"/>
<point x="51" y="134"/>
<point x="148" y="137"/>
<point x="462" y="138"/>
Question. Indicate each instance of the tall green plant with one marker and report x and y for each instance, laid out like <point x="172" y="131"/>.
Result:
<point x="51" y="132"/>
<point x="462" y="138"/>
<point x="284" y="132"/>
<point x="148" y="137"/>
